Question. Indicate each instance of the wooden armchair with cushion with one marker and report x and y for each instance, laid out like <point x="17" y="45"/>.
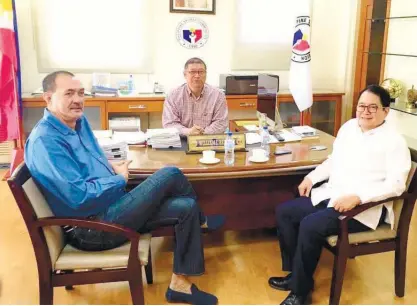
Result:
<point x="383" y="239"/>
<point x="60" y="264"/>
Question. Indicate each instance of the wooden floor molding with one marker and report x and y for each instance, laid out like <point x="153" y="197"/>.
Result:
<point x="238" y="265"/>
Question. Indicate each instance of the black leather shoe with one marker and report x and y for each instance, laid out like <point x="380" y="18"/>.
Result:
<point x="294" y="299"/>
<point x="280" y="283"/>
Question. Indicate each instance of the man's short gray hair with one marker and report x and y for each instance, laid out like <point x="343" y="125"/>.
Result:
<point x="195" y="60"/>
<point x="48" y="83"/>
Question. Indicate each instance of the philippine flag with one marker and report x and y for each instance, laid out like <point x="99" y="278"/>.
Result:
<point x="9" y="74"/>
<point x="300" y="71"/>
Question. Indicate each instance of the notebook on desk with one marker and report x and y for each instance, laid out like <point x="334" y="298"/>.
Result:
<point x="287" y="136"/>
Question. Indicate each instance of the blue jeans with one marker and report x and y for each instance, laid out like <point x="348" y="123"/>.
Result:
<point x="166" y="198"/>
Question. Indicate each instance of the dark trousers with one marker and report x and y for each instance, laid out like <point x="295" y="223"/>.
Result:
<point x="164" y="199"/>
<point x="302" y="231"/>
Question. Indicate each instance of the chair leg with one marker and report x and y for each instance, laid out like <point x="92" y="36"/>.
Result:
<point x="136" y="291"/>
<point x="68" y="272"/>
<point x="46" y="293"/>
<point x="148" y="269"/>
<point x="339" y="267"/>
<point x="400" y="265"/>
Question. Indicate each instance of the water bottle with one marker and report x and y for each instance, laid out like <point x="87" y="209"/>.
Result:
<point x="229" y="150"/>
<point x="131" y="84"/>
<point x="265" y="140"/>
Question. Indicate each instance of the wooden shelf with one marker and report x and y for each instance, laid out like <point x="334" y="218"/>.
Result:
<point x="390" y="18"/>
<point x="393" y="54"/>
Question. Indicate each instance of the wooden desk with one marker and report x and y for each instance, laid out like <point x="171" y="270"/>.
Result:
<point x="246" y="193"/>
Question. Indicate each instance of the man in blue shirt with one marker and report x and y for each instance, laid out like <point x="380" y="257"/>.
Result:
<point x="73" y="173"/>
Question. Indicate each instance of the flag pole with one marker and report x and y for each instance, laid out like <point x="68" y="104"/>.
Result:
<point x="306" y="118"/>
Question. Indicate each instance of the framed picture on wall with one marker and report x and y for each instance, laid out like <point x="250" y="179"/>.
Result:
<point x="193" y="6"/>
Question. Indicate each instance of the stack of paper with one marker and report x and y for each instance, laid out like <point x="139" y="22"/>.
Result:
<point x="113" y="148"/>
<point x="125" y="124"/>
<point x="304" y="131"/>
<point x="103" y="91"/>
<point x="163" y="138"/>
<point x="252" y="138"/>
<point x="100" y="134"/>
<point x="131" y="138"/>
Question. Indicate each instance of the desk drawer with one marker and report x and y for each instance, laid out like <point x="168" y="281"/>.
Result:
<point x="135" y="106"/>
<point x="241" y="104"/>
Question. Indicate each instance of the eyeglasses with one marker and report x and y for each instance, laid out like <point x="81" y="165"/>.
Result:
<point x="372" y="108"/>
<point x="195" y="72"/>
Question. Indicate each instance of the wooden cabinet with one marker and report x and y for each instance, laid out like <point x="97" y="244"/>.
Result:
<point x="325" y="114"/>
<point x="135" y="104"/>
<point x="33" y="108"/>
<point x="241" y="102"/>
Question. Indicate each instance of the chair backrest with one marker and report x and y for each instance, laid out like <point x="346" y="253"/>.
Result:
<point x="49" y="241"/>
<point x="398" y="204"/>
<point x="404" y="218"/>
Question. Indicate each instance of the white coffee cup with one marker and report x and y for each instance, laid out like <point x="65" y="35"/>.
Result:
<point x="258" y="154"/>
<point x="209" y="155"/>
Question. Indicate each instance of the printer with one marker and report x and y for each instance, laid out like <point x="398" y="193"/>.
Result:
<point x="239" y="84"/>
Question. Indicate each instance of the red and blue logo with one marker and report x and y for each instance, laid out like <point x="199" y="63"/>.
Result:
<point x="192" y="33"/>
<point x="301" y="44"/>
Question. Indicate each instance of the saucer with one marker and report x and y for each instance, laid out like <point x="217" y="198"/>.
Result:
<point x="252" y="159"/>
<point x="209" y="161"/>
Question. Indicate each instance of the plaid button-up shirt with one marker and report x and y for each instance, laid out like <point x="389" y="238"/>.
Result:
<point x="182" y="110"/>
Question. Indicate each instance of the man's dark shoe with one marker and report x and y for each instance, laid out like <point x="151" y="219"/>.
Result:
<point x="280" y="283"/>
<point x="294" y="299"/>
<point x="197" y="297"/>
<point x="213" y="222"/>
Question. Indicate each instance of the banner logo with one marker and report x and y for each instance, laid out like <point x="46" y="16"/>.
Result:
<point x="301" y="45"/>
<point x="192" y="33"/>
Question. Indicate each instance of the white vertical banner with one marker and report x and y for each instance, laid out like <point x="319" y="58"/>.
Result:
<point x="300" y="70"/>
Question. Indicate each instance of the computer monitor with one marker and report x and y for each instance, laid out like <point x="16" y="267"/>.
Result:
<point x="268" y="87"/>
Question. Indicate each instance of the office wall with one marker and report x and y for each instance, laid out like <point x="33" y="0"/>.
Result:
<point x="402" y="39"/>
<point x="333" y="40"/>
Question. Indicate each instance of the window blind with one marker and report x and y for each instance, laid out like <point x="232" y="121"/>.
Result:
<point x="93" y="35"/>
<point x="264" y="31"/>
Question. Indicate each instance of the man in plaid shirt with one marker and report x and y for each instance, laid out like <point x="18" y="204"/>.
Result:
<point x="195" y="107"/>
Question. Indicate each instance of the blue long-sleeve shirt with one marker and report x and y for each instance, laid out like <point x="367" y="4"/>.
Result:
<point x="71" y="169"/>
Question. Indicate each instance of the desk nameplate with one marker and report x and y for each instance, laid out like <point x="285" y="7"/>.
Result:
<point x="200" y="143"/>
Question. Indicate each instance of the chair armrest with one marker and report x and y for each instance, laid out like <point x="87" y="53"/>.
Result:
<point x="97" y="225"/>
<point x="101" y="226"/>
<point x="347" y="215"/>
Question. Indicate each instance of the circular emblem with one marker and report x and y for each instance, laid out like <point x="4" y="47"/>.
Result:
<point x="301" y="44"/>
<point x="192" y="33"/>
